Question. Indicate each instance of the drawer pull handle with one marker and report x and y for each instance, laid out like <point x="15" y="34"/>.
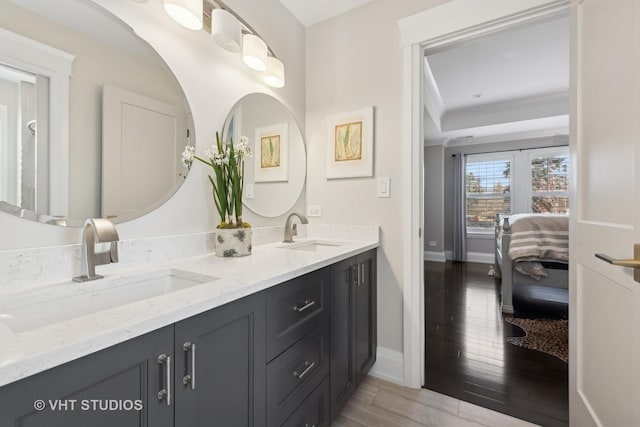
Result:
<point x="165" y="393"/>
<point x="190" y="378"/>
<point x="309" y="425"/>
<point x="307" y="303"/>
<point x="308" y="367"/>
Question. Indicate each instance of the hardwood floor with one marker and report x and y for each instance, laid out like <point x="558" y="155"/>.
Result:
<point x="378" y="403"/>
<point x="468" y="358"/>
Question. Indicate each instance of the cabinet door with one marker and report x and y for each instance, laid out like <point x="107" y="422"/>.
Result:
<point x="230" y="366"/>
<point x="366" y="314"/>
<point x="295" y="308"/>
<point x="343" y="368"/>
<point x="117" y="386"/>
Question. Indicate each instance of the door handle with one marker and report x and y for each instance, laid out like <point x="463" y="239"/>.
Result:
<point x="631" y="263"/>
<point x="189" y="347"/>
<point x="165" y="393"/>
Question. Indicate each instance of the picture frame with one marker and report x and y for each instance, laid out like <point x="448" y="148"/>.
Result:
<point x="271" y="153"/>
<point x="350" y="144"/>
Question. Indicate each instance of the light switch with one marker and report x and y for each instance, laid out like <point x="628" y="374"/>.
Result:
<point x="248" y="191"/>
<point x="314" y="210"/>
<point x="384" y="187"/>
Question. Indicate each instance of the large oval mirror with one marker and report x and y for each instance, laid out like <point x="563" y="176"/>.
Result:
<point x="92" y="121"/>
<point x="275" y="174"/>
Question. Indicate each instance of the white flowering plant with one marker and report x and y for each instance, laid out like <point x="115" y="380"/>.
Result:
<point x="227" y="181"/>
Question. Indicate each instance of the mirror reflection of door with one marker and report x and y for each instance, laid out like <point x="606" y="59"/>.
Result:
<point x="141" y="138"/>
<point x="20" y="143"/>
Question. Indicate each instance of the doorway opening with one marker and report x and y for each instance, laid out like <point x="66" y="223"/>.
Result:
<point x="496" y="120"/>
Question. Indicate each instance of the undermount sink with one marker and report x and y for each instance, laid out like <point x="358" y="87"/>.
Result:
<point x="312" y="245"/>
<point x="100" y="295"/>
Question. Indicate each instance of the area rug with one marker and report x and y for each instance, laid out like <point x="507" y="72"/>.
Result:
<point x="548" y="336"/>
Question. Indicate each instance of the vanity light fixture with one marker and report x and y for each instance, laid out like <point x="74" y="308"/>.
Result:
<point x="254" y="52"/>
<point x="230" y="32"/>
<point x="274" y="74"/>
<point x="226" y="30"/>
<point x="187" y="13"/>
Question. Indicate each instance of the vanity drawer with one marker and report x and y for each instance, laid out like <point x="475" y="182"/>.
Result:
<point x="296" y="308"/>
<point x="295" y="373"/>
<point x="314" y="411"/>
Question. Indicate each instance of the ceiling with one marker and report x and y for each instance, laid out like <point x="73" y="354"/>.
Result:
<point x="310" y="12"/>
<point x="510" y="82"/>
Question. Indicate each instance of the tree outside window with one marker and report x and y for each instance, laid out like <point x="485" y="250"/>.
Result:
<point x="488" y="191"/>
<point x="550" y="184"/>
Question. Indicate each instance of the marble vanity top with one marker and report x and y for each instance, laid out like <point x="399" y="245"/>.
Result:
<point x="36" y="349"/>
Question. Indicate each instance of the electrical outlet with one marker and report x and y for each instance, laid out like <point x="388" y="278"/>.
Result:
<point x="248" y="191"/>
<point x="433" y="243"/>
<point x="314" y="210"/>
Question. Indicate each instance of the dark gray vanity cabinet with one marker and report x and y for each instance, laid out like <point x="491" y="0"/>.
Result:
<point x="220" y="366"/>
<point x="290" y="355"/>
<point x="207" y="369"/>
<point x="297" y="347"/>
<point x="117" y="386"/>
<point x="353" y="325"/>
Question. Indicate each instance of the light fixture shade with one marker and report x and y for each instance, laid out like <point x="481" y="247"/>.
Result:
<point x="254" y="52"/>
<point x="187" y="13"/>
<point x="226" y="30"/>
<point x="274" y="74"/>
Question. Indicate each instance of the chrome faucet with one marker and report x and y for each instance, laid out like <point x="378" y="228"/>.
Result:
<point x="96" y="230"/>
<point x="290" y="228"/>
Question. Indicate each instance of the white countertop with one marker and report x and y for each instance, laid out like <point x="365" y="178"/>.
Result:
<point x="27" y="353"/>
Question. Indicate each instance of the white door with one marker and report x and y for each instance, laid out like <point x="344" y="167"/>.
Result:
<point x="605" y="310"/>
<point x="141" y="140"/>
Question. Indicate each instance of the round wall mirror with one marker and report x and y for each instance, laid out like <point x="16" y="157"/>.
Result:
<point x="92" y="121"/>
<point x="275" y="174"/>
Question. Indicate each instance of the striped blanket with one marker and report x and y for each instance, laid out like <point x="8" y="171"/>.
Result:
<point x="537" y="238"/>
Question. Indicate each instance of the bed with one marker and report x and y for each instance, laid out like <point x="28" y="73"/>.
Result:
<point x="531" y="258"/>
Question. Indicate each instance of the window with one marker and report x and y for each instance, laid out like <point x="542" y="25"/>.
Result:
<point x="550" y="182"/>
<point x="488" y="190"/>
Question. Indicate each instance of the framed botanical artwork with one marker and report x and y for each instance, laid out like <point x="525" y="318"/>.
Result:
<point x="271" y="153"/>
<point x="350" y="147"/>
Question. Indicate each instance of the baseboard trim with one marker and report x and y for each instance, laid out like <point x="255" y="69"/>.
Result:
<point x="389" y="366"/>
<point x="435" y="256"/>
<point x="481" y="257"/>
<point x="507" y="309"/>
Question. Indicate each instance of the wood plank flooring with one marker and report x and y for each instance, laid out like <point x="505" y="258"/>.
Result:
<point x="468" y="358"/>
<point x="378" y="403"/>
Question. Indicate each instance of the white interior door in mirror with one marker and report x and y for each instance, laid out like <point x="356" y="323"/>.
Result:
<point x="141" y="139"/>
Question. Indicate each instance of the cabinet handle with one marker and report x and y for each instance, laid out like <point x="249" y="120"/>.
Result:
<point x="361" y="274"/>
<point x="309" y="425"/>
<point x="355" y="272"/>
<point x="307" y="303"/>
<point x="165" y="393"/>
<point x="190" y="378"/>
<point x="308" y="367"/>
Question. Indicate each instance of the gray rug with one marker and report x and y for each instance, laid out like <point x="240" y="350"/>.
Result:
<point x="548" y="336"/>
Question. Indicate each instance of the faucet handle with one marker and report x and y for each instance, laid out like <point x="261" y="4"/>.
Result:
<point x="104" y="230"/>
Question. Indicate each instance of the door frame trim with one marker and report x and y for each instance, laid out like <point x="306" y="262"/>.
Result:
<point x="449" y="23"/>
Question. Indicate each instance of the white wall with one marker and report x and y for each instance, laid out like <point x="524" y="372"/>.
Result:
<point x="355" y="60"/>
<point x="213" y="81"/>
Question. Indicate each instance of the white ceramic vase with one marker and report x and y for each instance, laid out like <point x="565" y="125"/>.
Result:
<point x="233" y="242"/>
